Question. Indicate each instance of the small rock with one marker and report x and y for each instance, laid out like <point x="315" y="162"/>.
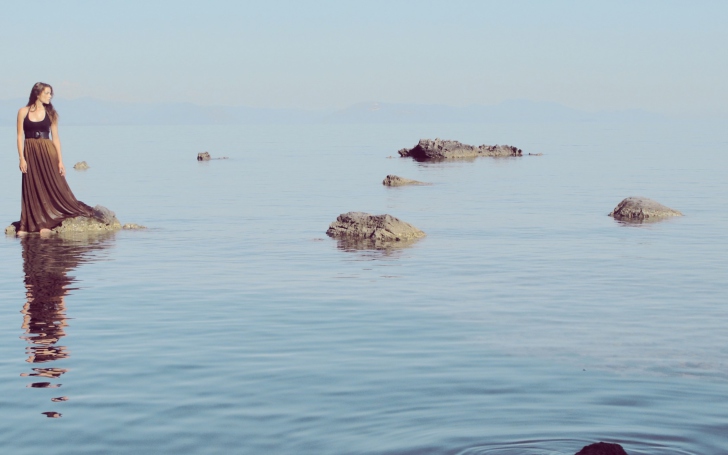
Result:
<point x="11" y="230"/>
<point x="380" y="228"/>
<point x="80" y="166"/>
<point x="640" y="209"/>
<point x="535" y="154"/>
<point x="59" y="399"/>
<point x="204" y="156"/>
<point x="440" y="149"/>
<point x="395" y="180"/>
<point x="602" y="448"/>
<point x="130" y="226"/>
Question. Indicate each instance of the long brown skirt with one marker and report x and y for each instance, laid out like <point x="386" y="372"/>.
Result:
<point x="47" y="199"/>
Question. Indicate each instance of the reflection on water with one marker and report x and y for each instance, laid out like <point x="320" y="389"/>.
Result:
<point x="46" y="263"/>
<point x="387" y="248"/>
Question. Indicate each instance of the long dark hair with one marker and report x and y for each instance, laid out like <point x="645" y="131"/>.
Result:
<point x="35" y="92"/>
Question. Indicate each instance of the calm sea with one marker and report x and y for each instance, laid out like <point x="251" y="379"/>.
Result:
<point x="526" y="322"/>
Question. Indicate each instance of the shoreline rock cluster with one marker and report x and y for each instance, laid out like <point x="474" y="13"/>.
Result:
<point x="439" y="149"/>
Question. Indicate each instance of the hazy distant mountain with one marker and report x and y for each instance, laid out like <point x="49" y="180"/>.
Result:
<point x="507" y="111"/>
<point x="88" y="111"/>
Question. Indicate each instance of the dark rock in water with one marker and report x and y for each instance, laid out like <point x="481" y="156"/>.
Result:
<point x="395" y="180"/>
<point x="440" y="149"/>
<point x="80" y="166"/>
<point x="379" y="228"/>
<point x="640" y="209"/>
<point x="205" y="156"/>
<point x="602" y="448"/>
<point x="104" y="215"/>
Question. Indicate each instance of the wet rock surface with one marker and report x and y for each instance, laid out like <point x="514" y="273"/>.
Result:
<point x="395" y="180"/>
<point x="602" y="448"/>
<point x="639" y="208"/>
<point x="372" y="228"/>
<point x="80" y="166"/>
<point x="133" y="226"/>
<point x="439" y="149"/>
<point x="103" y="220"/>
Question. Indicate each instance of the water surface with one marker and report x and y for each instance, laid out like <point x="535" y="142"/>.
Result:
<point x="526" y="322"/>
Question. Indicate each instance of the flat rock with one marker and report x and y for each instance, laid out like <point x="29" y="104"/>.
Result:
<point x="395" y="180"/>
<point x="439" y="149"/>
<point x="602" y="448"/>
<point x="103" y="220"/>
<point x="379" y="228"/>
<point x="80" y="166"/>
<point x="638" y="208"/>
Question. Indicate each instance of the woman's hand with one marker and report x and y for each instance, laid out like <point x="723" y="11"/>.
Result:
<point x="62" y="169"/>
<point x="23" y="166"/>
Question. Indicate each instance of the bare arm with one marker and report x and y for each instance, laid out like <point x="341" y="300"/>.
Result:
<point x="57" y="144"/>
<point x="21" y="139"/>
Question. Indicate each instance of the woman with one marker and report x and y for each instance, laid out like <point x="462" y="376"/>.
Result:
<point x="46" y="199"/>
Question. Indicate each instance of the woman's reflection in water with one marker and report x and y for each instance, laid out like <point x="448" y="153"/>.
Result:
<point x="46" y="263"/>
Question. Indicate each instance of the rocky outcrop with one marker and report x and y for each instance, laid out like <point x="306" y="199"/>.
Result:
<point x="641" y="209"/>
<point x="602" y="448"/>
<point x="377" y="228"/>
<point x="395" y="180"/>
<point x="103" y="220"/>
<point x="427" y="150"/>
<point x="80" y="166"/>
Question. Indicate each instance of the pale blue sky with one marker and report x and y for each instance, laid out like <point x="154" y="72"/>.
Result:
<point x="664" y="56"/>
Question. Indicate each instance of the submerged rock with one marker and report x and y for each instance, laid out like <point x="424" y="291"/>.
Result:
<point x="131" y="226"/>
<point x="378" y="228"/>
<point x="602" y="448"/>
<point x="440" y="149"/>
<point x="395" y="180"/>
<point x="80" y="166"/>
<point x="205" y="156"/>
<point x="641" y="208"/>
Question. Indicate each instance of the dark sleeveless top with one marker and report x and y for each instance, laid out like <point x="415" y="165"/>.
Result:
<point x="30" y="127"/>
